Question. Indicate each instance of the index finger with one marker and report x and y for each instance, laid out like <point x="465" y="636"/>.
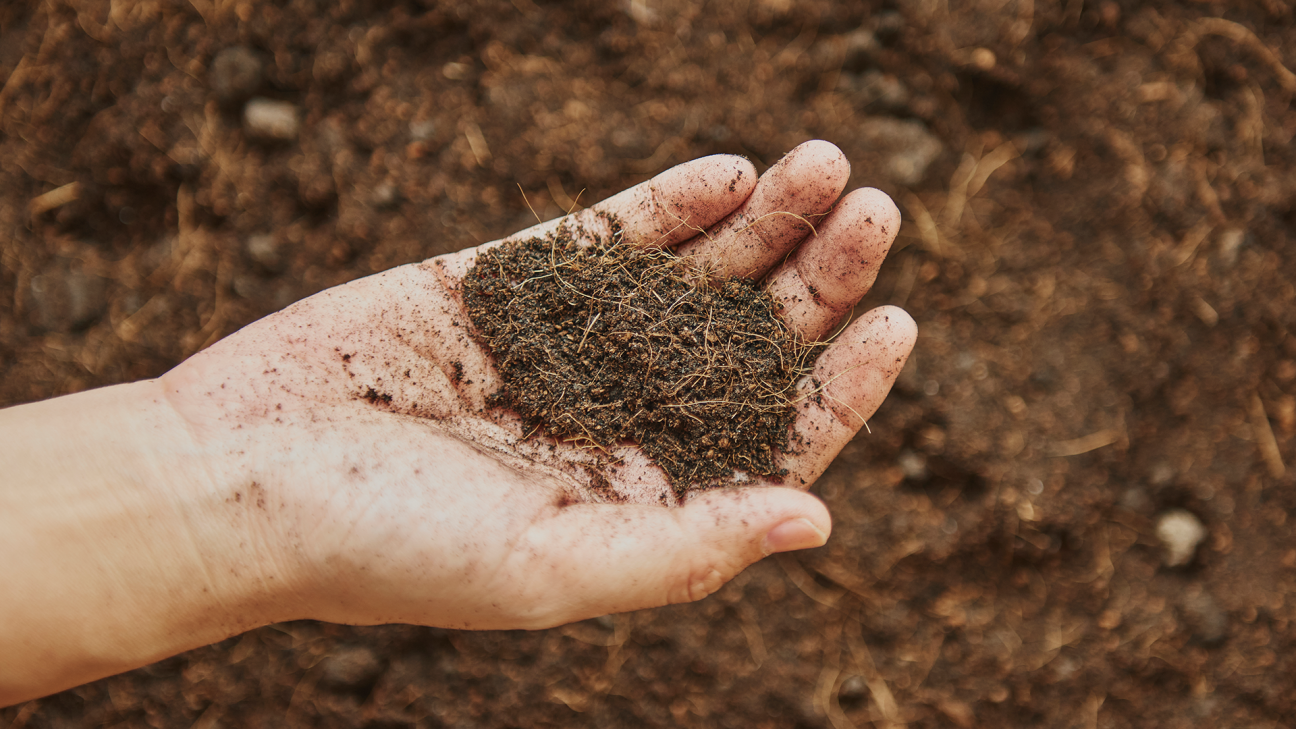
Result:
<point x="662" y="212"/>
<point x="668" y="209"/>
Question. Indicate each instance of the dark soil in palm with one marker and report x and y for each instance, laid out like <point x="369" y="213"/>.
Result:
<point x="608" y="342"/>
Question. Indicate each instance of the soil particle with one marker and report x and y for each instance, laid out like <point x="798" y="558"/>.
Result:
<point x="600" y="485"/>
<point x="1208" y="621"/>
<point x="235" y="74"/>
<point x="65" y="297"/>
<point x="914" y="147"/>
<point x="270" y="119"/>
<point x="263" y="249"/>
<point x="355" y="668"/>
<point x="608" y="343"/>
<point x="1180" y="532"/>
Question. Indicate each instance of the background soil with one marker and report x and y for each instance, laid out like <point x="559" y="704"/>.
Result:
<point x="1099" y="206"/>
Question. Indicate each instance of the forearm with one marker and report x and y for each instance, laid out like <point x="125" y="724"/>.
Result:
<point x="114" y="549"/>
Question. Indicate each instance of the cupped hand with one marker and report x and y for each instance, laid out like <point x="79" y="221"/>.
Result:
<point x="352" y="436"/>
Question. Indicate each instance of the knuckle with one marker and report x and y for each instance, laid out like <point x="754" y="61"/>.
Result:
<point x="701" y="581"/>
<point x="659" y="213"/>
<point x="537" y="606"/>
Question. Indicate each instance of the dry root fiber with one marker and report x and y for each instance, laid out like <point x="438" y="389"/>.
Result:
<point x="607" y="342"/>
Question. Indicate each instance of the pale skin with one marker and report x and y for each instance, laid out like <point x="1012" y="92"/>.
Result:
<point x="255" y="482"/>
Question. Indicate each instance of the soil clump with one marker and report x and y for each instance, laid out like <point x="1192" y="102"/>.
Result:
<point x="609" y="342"/>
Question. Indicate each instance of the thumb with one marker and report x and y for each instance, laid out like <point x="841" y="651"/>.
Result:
<point x="596" y="559"/>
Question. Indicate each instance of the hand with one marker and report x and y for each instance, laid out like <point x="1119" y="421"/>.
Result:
<point x="352" y="439"/>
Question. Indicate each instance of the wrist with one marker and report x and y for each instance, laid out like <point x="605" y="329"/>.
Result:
<point x="121" y="550"/>
<point x="221" y="511"/>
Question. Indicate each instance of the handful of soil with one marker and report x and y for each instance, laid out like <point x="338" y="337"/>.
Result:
<point x="608" y="342"/>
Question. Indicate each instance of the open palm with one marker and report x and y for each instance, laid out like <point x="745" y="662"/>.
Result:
<point x="352" y="433"/>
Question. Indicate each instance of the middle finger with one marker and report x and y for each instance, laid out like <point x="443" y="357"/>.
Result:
<point x="830" y="272"/>
<point x="793" y="194"/>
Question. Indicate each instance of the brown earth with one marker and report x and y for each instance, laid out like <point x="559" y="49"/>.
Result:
<point x="1099" y="200"/>
<point x="608" y="342"/>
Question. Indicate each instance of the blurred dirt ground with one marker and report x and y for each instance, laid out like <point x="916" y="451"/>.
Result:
<point x="1099" y="205"/>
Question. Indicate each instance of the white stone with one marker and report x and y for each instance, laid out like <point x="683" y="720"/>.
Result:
<point x="913" y="465"/>
<point x="271" y="119"/>
<point x="1180" y="532"/>
<point x="907" y="148"/>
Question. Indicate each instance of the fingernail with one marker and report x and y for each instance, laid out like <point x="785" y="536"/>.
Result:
<point x="791" y="535"/>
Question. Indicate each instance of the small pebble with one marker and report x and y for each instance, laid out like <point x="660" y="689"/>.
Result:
<point x="66" y="298"/>
<point x="422" y="130"/>
<point x="889" y="25"/>
<point x="907" y="148"/>
<point x="247" y="287"/>
<point x="331" y="67"/>
<point x="853" y="688"/>
<point x="861" y="48"/>
<point x="263" y="249"/>
<point x="1180" y="532"/>
<point x="270" y="119"/>
<point x="1230" y="242"/>
<point x="235" y="74"/>
<point x="1209" y="622"/>
<point x="913" y="465"/>
<point x="983" y="58"/>
<point x="455" y="71"/>
<point x="354" y="667"/>
<point x="385" y="195"/>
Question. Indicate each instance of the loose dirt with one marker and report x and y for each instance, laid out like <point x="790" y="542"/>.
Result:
<point x="1100" y="224"/>
<point x="604" y="342"/>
